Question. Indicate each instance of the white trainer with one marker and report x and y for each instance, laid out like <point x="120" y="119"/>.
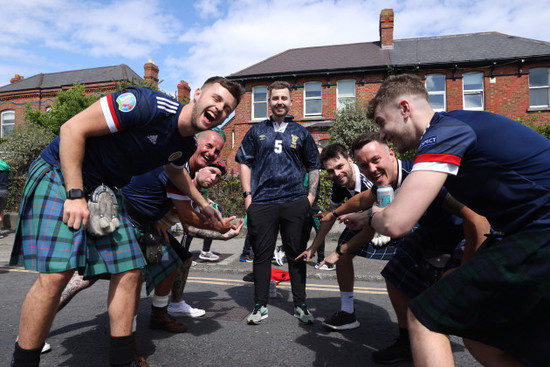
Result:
<point x="208" y="256"/>
<point x="183" y="309"/>
<point x="279" y="255"/>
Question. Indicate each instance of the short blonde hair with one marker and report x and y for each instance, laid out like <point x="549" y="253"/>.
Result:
<point x="394" y="86"/>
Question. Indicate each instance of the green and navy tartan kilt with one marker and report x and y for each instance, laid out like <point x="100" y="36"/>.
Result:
<point x="368" y="250"/>
<point x="402" y="269"/>
<point x="501" y="297"/>
<point x="155" y="273"/>
<point x="45" y="244"/>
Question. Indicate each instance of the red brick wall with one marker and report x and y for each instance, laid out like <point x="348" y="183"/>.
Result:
<point x="42" y="99"/>
<point x="508" y="96"/>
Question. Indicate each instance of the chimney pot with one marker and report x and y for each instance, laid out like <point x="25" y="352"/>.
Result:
<point x="16" y="78"/>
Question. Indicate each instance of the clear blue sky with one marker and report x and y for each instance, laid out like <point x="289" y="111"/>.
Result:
<point x="192" y="40"/>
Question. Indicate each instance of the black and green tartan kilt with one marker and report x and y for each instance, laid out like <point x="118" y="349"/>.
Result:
<point x="501" y="297"/>
<point x="45" y="244"/>
<point x="170" y="261"/>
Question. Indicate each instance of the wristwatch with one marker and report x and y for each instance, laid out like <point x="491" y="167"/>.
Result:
<point x="335" y="214"/>
<point x="75" y="194"/>
<point x="246" y="193"/>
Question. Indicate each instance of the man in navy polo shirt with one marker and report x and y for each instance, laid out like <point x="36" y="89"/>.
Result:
<point x="274" y="156"/>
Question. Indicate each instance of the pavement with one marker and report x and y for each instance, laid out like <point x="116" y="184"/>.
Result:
<point x="79" y="334"/>
<point x="230" y="251"/>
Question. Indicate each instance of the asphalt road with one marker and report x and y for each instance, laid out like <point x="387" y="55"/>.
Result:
<point x="79" y="336"/>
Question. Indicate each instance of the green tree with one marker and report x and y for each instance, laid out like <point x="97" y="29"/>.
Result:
<point x="20" y="149"/>
<point x="533" y="123"/>
<point x="350" y="122"/>
<point x="67" y="104"/>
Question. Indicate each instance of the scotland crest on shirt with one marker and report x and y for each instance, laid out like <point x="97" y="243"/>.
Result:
<point x="294" y="140"/>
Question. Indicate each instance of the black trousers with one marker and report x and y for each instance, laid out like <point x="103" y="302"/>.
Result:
<point x="264" y="223"/>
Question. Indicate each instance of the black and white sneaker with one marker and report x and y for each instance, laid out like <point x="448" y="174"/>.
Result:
<point x="341" y="320"/>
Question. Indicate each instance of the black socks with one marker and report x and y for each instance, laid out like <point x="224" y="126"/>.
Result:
<point x="121" y="353"/>
<point x="26" y="357"/>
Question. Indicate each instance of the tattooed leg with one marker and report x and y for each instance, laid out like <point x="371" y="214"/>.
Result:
<point x="180" y="280"/>
<point x="75" y="285"/>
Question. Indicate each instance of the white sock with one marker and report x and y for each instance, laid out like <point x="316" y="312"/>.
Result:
<point x="346" y="300"/>
<point x="134" y="324"/>
<point x="161" y="301"/>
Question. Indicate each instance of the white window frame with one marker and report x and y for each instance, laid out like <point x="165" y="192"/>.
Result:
<point x="307" y="99"/>
<point x="438" y="92"/>
<point x="343" y="99"/>
<point x="479" y="92"/>
<point x="255" y="104"/>
<point x="540" y="87"/>
<point x="7" y="122"/>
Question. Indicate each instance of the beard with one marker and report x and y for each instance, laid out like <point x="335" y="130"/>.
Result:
<point x="196" y="119"/>
<point x="282" y="114"/>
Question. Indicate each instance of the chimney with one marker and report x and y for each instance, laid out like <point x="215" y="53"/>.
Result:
<point x="16" y="78"/>
<point x="184" y="92"/>
<point x="151" y="73"/>
<point x="386" y="28"/>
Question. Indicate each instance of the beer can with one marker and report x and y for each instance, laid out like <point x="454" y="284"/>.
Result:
<point x="384" y="195"/>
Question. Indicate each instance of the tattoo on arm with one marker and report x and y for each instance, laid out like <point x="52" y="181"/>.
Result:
<point x="451" y="205"/>
<point x="313" y="182"/>
<point x="206" y="233"/>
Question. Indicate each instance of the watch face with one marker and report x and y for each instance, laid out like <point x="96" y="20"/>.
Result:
<point x="75" y="194"/>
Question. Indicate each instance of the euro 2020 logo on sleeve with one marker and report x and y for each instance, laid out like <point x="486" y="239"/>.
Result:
<point x="126" y="102"/>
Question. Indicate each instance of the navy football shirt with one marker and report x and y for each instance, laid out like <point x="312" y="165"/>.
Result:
<point x="144" y="135"/>
<point x="147" y="195"/>
<point x="496" y="166"/>
<point x="277" y="160"/>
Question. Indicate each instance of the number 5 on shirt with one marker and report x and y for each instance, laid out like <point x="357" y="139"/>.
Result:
<point x="278" y="146"/>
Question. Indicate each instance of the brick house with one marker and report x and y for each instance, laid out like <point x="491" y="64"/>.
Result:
<point x="480" y="71"/>
<point x="40" y="90"/>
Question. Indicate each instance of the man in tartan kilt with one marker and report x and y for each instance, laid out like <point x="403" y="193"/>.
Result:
<point x="124" y="134"/>
<point x="499" y="301"/>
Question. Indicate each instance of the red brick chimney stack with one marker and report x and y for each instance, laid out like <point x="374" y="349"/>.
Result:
<point x="386" y="28"/>
<point x="16" y="78"/>
<point x="184" y="91"/>
<point x="151" y="72"/>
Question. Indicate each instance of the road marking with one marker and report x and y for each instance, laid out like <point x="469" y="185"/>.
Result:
<point x="286" y="285"/>
<point x="225" y="281"/>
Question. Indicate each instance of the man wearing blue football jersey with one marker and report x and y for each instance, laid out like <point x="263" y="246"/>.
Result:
<point x="124" y="134"/>
<point x="499" y="300"/>
<point x="274" y="155"/>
